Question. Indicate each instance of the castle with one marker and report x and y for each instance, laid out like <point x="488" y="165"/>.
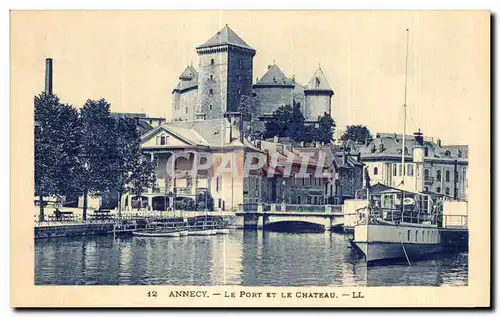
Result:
<point x="224" y="77"/>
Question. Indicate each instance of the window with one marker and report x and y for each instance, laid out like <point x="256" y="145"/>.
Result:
<point x="447" y="176"/>
<point x="212" y="61"/>
<point x="459" y="153"/>
<point x="394" y="169"/>
<point x="447" y="154"/>
<point x="211" y="77"/>
<point x="409" y="235"/>
<point x="219" y="203"/>
<point x="426" y="189"/>
<point x="400" y="169"/>
<point x="298" y="200"/>
<point x="426" y="173"/>
<point x="210" y="107"/>
<point x="375" y="171"/>
<point x="218" y="183"/>
<point x="438" y="189"/>
<point x="426" y="151"/>
<point x="211" y="91"/>
<point x="163" y="139"/>
<point x="416" y="236"/>
<point x="409" y="169"/>
<point x="447" y="191"/>
<point x="438" y="175"/>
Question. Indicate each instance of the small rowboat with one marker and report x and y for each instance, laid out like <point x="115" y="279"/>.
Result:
<point x="157" y="233"/>
<point x="202" y="232"/>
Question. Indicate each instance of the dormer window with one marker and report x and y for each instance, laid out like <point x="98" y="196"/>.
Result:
<point x="447" y="154"/>
<point x="317" y="82"/>
<point x="426" y="151"/>
<point x="161" y="139"/>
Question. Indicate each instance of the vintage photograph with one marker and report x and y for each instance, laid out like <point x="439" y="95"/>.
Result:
<point x="252" y="148"/>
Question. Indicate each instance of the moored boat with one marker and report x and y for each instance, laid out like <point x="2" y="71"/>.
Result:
<point x="157" y="233"/>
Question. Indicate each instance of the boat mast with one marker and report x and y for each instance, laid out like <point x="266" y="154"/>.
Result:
<point x="403" y="169"/>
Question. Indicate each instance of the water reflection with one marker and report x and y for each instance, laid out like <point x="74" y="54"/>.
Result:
<point x="249" y="258"/>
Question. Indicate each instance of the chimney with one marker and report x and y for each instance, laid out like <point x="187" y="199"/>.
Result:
<point x="48" y="76"/>
<point x="439" y="142"/>
<point x="269" y="67"/>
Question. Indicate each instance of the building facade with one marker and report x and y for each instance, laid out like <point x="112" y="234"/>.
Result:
<point x="429" y="166"/>
<point x="225" y="75"/>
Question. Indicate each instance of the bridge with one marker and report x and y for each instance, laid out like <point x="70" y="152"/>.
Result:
<point x="287" y="217"/>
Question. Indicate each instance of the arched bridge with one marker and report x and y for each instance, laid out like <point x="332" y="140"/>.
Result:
<point x="292" y="217"/>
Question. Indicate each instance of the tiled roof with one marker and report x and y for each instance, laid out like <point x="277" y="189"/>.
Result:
<point x="226" y="36"/>
<point x="318" y="81"/>
<point x="274" y="76"/>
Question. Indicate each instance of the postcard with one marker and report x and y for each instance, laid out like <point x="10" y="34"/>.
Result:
<point x="250" y="159"/>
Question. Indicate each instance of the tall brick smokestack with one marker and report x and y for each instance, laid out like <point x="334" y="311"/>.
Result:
<point x="48" y="76"/>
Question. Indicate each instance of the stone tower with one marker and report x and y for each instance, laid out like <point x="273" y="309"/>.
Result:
<point x="318" y="97"/>
<point x="225" y="73"/>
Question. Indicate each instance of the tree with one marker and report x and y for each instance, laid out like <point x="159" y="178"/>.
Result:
<point x="134" y="172"/>
<point x="356" y="133"/>
<point x="245" y="107"/>
<point x="98" y="151"/>
<point x="326" y="128"/>
<point x="287" y="121"/>
<point x="57" y="132"/>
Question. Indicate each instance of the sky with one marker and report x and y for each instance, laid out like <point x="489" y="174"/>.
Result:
<point x="134" y="59"/>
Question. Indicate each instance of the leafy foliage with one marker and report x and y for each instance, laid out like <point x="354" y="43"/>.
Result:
<point x="56" y="147"/>
<point x="135" y="172"/>
<point x="245" y="107"/>
<point x="288" y="121"/>
<point x="356" y="133"/>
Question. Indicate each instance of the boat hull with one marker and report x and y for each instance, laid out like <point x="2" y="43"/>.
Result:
<point x="383" y="251"/>
<point x="206" y="232"/>
<point x="157" y="234"/>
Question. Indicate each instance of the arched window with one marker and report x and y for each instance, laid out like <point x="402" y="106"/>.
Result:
<point x="426" y="173"/>
<point x="212" y="61"/>
<point x="163" y="139"/>
<point x="438" y="189"/>
<point x="438" y="175"/>
<point x="447" y="176"/>
<point x="447" y="191"/>
<point x="426" y="151"/>
<point x="375" y="171"/>
<point x="298" y="200"/>
<point x="210" y="107"/>
<point x="426" y="189"/>
<point x="447" y="154"/>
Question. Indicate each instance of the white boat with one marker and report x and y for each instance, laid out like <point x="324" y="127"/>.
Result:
<point x="202" y="232"/>
<point x="222" y="230"/>
<point x="386" y="231"/>
<point x="157" y="233"/>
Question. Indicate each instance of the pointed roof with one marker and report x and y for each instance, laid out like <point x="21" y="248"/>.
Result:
<point x="274" y="76"/>
<point x="319" y="82"/>
<point x="188" y="79"/>
<point x="188" y="73"/>
<point x="226" y="36"/>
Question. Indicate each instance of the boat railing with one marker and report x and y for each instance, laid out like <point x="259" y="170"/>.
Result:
<point x="399" y="216"/>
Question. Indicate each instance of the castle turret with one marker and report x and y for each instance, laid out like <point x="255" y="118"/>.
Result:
<point x="184" y="95"/>
<point x="225" y="73"/>
<point x="318" y="97"/>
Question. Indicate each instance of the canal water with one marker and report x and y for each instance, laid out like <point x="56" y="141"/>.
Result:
<point x="249" y="258"/>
